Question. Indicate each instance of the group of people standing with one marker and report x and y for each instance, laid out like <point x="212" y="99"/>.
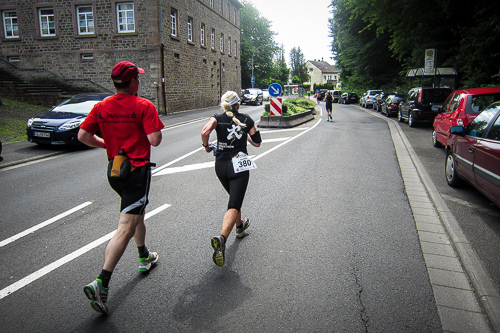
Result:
<point x="129" y="126"/>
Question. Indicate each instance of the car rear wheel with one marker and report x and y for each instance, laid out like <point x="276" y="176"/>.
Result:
<point x="411" y="121"/>
<point x="400" y="117"/>
<point x="435" y="142"/>
<point x="449" y="169"/>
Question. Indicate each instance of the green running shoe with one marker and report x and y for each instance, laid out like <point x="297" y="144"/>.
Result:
<point x="98" y="296"/>
<point x="146" y="263"/>
<point x="219" y="250"/>
<point x="240" y="231"/>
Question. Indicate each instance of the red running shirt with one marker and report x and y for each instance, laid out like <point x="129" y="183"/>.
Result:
<point x="125" y="121"/>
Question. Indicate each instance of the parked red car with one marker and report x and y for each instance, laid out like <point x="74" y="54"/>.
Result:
<point x="460" y="108"/>
<point x="473" y="154"/>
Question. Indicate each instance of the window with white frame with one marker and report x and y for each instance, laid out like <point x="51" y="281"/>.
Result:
<point x="10" y="26"/>
<point x="125" y="17"/>
<point x="47" y="22"/>
<point x="234" y="16"/>
<point x="235" y="52"/>
<point x="202" y="34"/>
<point x="212" y="38"/>
<point x="222" y="42"/>
<point x="211" y="3"/>
<point x="229" y="45"/>
<point x="85" y="20"/>
<point x="173" y="22"/>
<point x="190" y="29"/>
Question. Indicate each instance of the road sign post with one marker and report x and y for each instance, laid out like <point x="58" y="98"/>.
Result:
<point x="276" y="106"/>
<point x="275" y="90"/>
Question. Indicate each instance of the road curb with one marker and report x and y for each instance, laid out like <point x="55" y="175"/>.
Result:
<point x="485" y="291"/>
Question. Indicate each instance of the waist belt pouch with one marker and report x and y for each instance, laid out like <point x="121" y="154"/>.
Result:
<point x="120" y="167"/>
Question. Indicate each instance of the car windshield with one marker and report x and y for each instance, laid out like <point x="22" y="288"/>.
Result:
<point x="478" y="125"/>
<point x="251" y="92"/>
<point x="81" y="106"/>
<point x="435" y="95"/>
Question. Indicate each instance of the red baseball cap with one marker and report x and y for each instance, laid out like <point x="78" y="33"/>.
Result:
<point x="125" y="71"/>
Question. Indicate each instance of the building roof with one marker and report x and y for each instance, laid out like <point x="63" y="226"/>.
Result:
<point x="324" y="67"/>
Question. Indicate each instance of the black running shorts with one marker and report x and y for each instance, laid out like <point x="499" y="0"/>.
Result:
<point x="234" y="183"/>
<point x="133" y="191"/>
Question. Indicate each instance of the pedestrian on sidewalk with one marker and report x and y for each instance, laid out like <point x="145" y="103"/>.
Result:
<point x="129" y="126"/>
<point x="233" y="130"/>
<point x="329" y="103"/>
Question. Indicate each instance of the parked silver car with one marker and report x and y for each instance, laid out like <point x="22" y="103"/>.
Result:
<point x="368" y="98"/>
<point x="252" y="96"/>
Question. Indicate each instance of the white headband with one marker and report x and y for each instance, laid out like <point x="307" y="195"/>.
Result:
<point x="234" y="101"/>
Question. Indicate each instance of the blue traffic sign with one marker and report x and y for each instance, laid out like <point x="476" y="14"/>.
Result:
<point x="275" y="89"/>
<point x="252" y="79"/>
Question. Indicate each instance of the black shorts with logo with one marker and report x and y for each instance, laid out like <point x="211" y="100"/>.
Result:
<point x="133" y="191"/>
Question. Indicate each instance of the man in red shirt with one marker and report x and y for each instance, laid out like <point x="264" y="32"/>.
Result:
<point x="129" y="125"/>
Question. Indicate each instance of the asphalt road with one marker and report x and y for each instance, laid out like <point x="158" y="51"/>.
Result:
<point x="332" y="246"/>
<point x="477" y="216"/>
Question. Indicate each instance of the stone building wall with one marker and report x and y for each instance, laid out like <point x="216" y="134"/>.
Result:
<point x="193" y="76"/>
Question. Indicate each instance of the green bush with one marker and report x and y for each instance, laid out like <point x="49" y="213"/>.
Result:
<point x="291" y="106"/>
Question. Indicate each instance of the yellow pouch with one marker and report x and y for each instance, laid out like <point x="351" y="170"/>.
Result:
<point x="120" y="166"/>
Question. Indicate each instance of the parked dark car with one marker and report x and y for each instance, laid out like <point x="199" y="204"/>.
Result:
<point x="460" y="108"/>
<point x="60" y="125"/>
<point x="473" y="154"/>
<point x="390" y="107"/>
<point x="422" y="105"/>
<point x="348" y="98"/>
<point x="252" y="96"/>
<point x="379" y="100"/>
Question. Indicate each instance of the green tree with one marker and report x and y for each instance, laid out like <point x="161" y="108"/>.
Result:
<point x="298" y="65"/>
<point x="374" y="40"/>
<point x="280" y="71"/>
<point x="257" y="44"/>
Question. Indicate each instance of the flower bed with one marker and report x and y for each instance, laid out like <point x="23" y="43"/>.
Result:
<point x="295" y="112"/>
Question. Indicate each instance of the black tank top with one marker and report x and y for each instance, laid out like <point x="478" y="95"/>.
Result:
<point x="231" y="137"/>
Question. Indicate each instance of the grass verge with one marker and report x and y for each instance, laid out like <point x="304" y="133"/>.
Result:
<point x="13" y="118"/>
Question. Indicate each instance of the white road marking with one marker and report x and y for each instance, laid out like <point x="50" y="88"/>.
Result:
<point x="33" y="162"/>
<point x="191" y="167"/>
<point x="43" y="224"/>
<point x="64" y="260"/>
<point x="287" y="141"/>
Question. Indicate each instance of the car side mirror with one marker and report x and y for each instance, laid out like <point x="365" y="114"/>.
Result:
<point x="458" y="130"/>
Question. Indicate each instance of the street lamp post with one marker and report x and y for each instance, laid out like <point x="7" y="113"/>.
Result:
<point x="252" y="60"/>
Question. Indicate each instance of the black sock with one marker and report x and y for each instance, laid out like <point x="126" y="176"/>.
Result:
<point x="143" y="251"/>
<point x="105" y="276"/>
<point x="224" y="238"/>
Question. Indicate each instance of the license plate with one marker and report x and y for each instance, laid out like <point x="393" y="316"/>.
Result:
<point x="41" y="134"/>
<point x="436" y="107"/>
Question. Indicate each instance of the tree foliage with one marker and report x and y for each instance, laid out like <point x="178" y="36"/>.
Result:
<point x="298" y="67"/>
<point x="376" y="41"/>
<point x="257" y="44"/>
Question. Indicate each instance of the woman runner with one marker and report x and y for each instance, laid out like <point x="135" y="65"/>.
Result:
<point x="233" y="130"/>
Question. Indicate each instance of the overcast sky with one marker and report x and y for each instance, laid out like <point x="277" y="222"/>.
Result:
<point x="299" y="23"/>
